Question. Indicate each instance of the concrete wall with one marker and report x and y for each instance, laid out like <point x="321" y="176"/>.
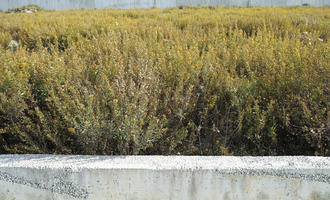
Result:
<point x="128" y="4"/>
<point x="47" y="177"/>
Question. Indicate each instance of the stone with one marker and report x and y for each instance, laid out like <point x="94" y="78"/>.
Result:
<point x="13" y="45"/>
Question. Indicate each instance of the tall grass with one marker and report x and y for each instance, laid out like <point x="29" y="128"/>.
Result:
<point x="195" y="81"/>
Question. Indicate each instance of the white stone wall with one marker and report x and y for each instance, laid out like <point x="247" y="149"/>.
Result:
<point x="47" y="177"/>
<point x="128" y="4"/>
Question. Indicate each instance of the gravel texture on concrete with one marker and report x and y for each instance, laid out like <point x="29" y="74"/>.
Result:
<point x="75" y="162"/>
<point x="316" y="169"/>
<point x="284" y="166"/>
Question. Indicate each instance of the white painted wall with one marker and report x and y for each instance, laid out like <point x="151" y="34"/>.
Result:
<point x="128" y="4"/>
<point x="47" y="177"/>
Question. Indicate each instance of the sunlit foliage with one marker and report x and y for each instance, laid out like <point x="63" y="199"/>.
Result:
<point x="194" y="81"/>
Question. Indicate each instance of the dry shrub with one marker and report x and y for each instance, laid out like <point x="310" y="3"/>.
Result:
<point x="192" y="81"/>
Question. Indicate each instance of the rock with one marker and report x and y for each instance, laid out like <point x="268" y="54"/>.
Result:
<point x="31" y="8"/>
<point x="13" y="45"/>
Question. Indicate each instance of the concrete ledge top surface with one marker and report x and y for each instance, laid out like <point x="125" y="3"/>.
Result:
<point x="76" y="162"/>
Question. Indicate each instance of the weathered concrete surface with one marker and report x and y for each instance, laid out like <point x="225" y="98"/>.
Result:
<point x="48" y="177"/>
<point x="128" y="4"/>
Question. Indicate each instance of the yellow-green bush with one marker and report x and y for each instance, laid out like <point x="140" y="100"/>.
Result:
<point x="231" y="81"/>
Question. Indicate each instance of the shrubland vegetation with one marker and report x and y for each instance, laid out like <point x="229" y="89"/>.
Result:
<point x="194" y="81"/>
